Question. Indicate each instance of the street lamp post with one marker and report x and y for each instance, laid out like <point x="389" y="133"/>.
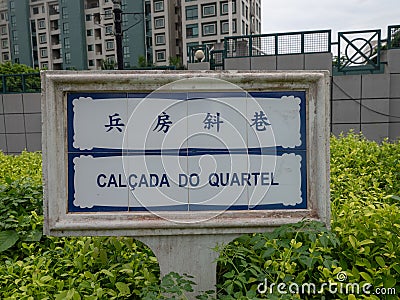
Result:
<point x="118" y="32"/>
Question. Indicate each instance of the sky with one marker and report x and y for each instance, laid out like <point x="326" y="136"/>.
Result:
<point x="337" y="15"/>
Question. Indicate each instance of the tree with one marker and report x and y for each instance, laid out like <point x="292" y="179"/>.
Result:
<point x="19" y="78"/>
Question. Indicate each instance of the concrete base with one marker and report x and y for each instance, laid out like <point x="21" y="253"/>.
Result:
<point x="189" y="254"/>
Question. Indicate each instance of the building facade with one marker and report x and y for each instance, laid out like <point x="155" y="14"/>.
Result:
<point x="179" y="24"/>
<point x="80" y="34"/>
<point x="69" y="34"/>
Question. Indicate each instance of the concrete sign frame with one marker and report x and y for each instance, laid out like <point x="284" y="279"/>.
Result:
<point x="57" y="85"/>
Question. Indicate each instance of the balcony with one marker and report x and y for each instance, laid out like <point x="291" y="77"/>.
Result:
<point x="89" y="4"/>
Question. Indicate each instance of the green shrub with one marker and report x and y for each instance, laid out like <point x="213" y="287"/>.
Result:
<point x="363" y="244"/>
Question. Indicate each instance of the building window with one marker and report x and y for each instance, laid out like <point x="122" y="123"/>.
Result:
<point x="4" y="16"/>
<point x="45" y="66"/>
<point x="192" y="31"/>
<point x="160" y="39"/>
<point x="224" y="8"/>
<point x="109" y="29"/>
<point x="159" y="22"/>
<point x="91" y="63"/>
<point x="4" y="44"/>
<point x="15" y="35"/>
<point x="110" y="45"/>
<point x="13" y="21"/>
<point x="41" y="24"/>
<point x="108" y="13"/>
<point x="158" y="6"/>
<point x="3" y="30"/>
<point x="209" y="29"/>
<point x="89" y="32"/>
<point x="67" y="58"/>
<point x="208" y="10"/>
<point x="126" y="52"/>
<point x="66" y="28"/>
<point x="64" y="13"/>
<point x="88" y="17"/>
<point x="16" y="49"/>
<point x="192" y="12"/>
<point x="43" y="52"/>
<point x="35" y="10"/>
<point x="66" y="43"/>
<point x="42" y="38"/>
<point x="90" y="48"/>
<point x="6" y="57"/>
<point x="160" y="55"/>
<point x="225" y="27"/>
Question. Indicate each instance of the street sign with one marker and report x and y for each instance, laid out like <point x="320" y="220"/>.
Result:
<point x="170" y="153"/>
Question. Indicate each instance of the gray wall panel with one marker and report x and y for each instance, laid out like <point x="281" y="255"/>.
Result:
<point x="345" y="111"/>
<point x="375" y="132"/>
<point x="375" y="86"/>
<point x="13" y="103"/>
<point x="3" y="144"/>
<point x="14" y="123"/>
<point x="290" y="62"/>
<point x="263" y="63"/>
<point x="346" y="87"/>
<point x="31" y="103"/>
<point x="16" y="142"/>
<point x="34" y="141"/>
<point x="241" y="63"/>
<point x="318" y="61"/>
<point x="33" y="122"/>
<point x="344" y="128"/>
<point x="375" y="110"/>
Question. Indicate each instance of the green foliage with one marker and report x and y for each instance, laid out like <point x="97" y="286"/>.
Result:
<point x="363" y="243"/>
<point x="8" y="68"/>
<point x="171" y="285"/>
<point x="142" y="63"/>
<point x="302" y="252"/>
<point x="108" y="64"/>
<point x="20" y="199"/>
<point x="365" y="185"/>
<point x="176" y="62"/>
<point x="19" y="78"/>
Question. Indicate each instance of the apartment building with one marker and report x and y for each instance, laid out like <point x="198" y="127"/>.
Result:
<point x="80" y="34"/>
<point x="69" y="34"/>
<point x="179" y="24"/>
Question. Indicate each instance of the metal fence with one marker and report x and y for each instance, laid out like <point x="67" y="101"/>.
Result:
<point x="20" y="83"/>
<point x="304" y="42"/>
<point x="393" y="41"/>
<point x="359" y="51"/>
<point x="192" y="53"/>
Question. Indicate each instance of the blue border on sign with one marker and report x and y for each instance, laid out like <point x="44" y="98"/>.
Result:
<point x="104" y="152"/>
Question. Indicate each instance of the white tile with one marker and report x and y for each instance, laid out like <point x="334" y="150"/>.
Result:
<point x="99" y="182"/>
<point x="154" y="182"/>
<point x="108" y="119"/>
<point x="283" y="115"/>
<point x="279" y="180"/>
<point x="220" y="181"/>
<point x="217" y="123"/>
<point x="156" y="123"/>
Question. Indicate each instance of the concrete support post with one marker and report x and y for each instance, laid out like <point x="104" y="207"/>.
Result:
<point x="190" y="254"/>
